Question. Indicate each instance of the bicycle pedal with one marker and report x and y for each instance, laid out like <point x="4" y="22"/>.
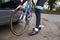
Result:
<point x="22" y="21"/>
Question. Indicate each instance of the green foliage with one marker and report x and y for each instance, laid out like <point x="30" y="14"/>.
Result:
<point x="50" y="3"/>
<point x="52" y="12"/>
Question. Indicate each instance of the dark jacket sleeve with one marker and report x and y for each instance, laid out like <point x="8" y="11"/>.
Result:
<point x="41" y="2"/>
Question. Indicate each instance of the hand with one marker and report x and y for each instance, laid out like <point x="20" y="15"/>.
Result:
<point x="19" y="7"/>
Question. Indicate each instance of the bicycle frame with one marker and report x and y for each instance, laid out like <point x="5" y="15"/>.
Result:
<point x="22" y="18"/>
<point x="28" y="10"/>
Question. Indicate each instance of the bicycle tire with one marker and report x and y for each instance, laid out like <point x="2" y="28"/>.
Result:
<point x="12" y="27"/>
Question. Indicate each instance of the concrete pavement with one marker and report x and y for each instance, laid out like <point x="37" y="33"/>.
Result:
<point x="51" y="31"/>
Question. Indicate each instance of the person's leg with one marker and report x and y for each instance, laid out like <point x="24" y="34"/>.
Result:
<point x="38" y="8"/>
<point x="38" y="18"/>
<point x="38" y="22"/>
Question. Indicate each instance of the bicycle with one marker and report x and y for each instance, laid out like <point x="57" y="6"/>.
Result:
<point x="24" y="18"/>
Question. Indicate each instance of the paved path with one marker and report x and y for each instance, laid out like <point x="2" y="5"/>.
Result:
<point x="51" y="31"/>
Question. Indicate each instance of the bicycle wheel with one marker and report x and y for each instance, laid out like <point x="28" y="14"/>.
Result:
<point x="19" y="28"/>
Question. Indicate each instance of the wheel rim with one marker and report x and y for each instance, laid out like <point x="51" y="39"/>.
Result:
<point x="17" y="29"/>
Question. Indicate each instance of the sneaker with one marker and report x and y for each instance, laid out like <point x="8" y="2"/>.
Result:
<point x="34" y="32"/>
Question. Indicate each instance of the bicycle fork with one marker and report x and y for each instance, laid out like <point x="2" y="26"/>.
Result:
<point x="23" y="15"/>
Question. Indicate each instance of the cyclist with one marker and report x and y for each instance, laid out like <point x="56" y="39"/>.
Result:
<point x="38" y="8"/>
